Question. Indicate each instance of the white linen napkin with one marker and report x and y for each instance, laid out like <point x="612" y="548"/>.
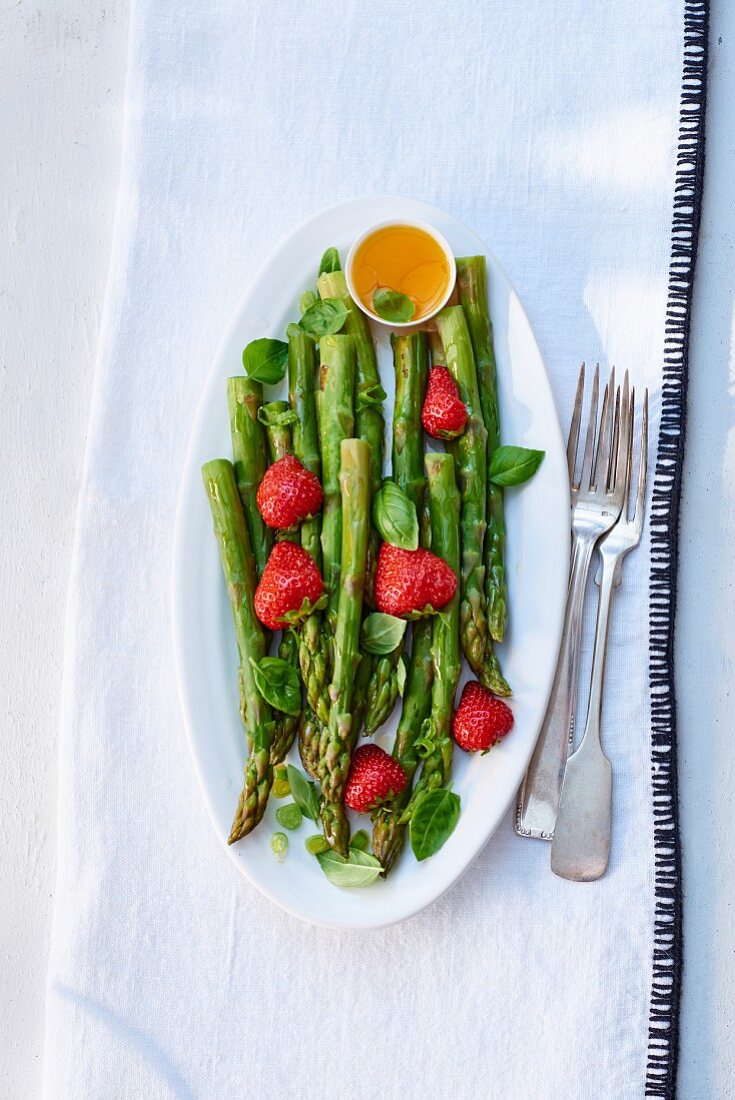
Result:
<point x="552" y="130"/>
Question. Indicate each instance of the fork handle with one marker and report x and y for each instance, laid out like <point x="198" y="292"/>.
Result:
<point x="607" y="588"/>
<point x="581" y="846"/>
<point x="538" y="800"/>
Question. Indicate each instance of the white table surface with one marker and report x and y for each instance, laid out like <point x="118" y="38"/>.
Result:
<point x="62" y="71"/>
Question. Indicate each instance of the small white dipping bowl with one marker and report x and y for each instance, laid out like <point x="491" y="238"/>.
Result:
<point x="431" y="232"/>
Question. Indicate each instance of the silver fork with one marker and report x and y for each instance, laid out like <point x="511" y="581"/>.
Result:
<point x="581" y="847"/>
<point x="597" y="499"/>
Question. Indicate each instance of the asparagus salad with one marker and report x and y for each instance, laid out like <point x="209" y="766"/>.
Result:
<point x="353" y="593"/>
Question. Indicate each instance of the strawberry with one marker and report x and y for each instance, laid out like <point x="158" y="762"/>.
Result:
<point x="408" y="582"/>
<point x="290" y="577"/>
<point x="373" y="777"/>
<point x="288" y="493"/>
<point x="443" y="415"/>
<point x="481" y="720"/>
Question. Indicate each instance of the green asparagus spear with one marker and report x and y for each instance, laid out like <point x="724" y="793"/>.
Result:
<point x="336" y="742"/>
<point x="388" y="830"/>
<point x="411" y="364"/>
<point x="238" y="566"/>
<point x="370" y="426"/>
<point x="336" y="423"/>
<point x="436" y="737"/>
<point x="410" y="361"/>
<point x="286" y="725"/>
<point x="382" y="689"/>
<point x="313" y="643"/>
<point x="491" y="674"/>
<point x="301" y="393"/>
<point x="369" y="397"/>
<point x="360" y="695"/>
<point x="277" y="417"/>
<point x="334" y="405"/>
<point x="244" y="399"/>
<point x="310" y="733"/>
<point x="470" y="452"/>
<point x="472" y="287"/>
<point x="315" y="659"/>
<point x="438" y="358"/>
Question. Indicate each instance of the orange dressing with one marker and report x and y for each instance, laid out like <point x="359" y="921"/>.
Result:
<point x="404" y="258"/>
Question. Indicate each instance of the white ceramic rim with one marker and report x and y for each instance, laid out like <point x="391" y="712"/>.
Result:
<point x="189" y="516"/>
<point x="440" y="239"/>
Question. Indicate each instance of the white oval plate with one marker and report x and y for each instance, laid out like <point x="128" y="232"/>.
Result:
<point x="537" y="559"/>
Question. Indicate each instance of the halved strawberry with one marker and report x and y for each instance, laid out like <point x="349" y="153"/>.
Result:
<point x="373" y="776"/>
<point x="444" y="415"/>
<point x="410" y="583"/>
<point x="481" y="720"/>
<point x="290" y="577"/>
<point x="288" y="493"/>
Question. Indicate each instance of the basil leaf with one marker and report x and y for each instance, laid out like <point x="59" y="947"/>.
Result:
<point x="303" y="793"/>
<point x="360" y="842"/>
<point x="265" y="361"/>
<point x="278" y="683"/>
<point x="433" y="822"/>
<point x="401" y="675"/>
<point x="324" y="318"/>
<point x="316" y="844"/>
<point x="306" y="301"/>
<point x="394" y="514"/>
<point x="330" y="262"/>
<point x="279" y="846"/>
<point x="514" y="465"/>
<point x="393" y="306"/>
<point x="381" y="633"/>
<point x="360" y="869"/>
<point x="289" y="816"/>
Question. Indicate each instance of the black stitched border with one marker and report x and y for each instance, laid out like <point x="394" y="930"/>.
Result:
<point x="663" y="1029"/>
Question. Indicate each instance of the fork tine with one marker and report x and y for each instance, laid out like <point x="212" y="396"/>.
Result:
<point x="585" y="478"/>
<point x="640" y="500"/>
<point x="629" y="458"/>
<point x="621" y="467"/>
<point x="615" y="444"/>
<point x="604" y="444"/>
<point x="600" y="440"/>
<point x="615" y="413"/>
<point x="573" y="439"/>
